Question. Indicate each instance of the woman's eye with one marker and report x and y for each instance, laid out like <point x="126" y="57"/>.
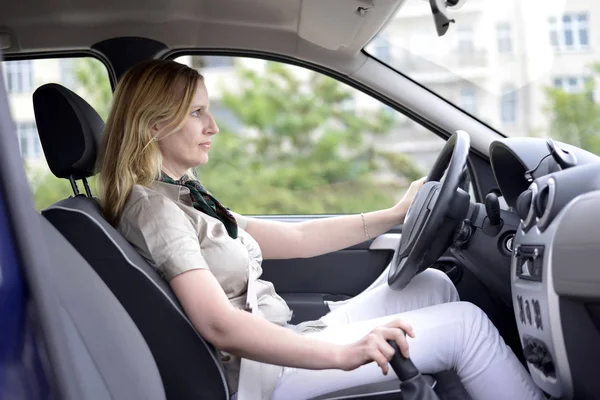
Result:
<point x="196" y="113"/>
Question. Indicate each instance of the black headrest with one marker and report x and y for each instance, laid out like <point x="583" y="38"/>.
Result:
<point x="69" y="130"/>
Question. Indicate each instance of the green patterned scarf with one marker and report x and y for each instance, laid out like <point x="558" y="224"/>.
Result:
<point x="204" y="202"/>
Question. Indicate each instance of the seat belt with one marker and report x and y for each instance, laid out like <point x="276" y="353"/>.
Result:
<point x="250" y="382"/>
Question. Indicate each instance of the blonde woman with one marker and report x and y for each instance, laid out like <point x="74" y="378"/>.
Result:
<point x="159" y="128"/>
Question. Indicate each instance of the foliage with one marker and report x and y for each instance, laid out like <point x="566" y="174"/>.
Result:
<point x="92" y="78"/>
<point x="305" y="149"/>
<point x="575" y="117"/>
<point x="46" y="188"/>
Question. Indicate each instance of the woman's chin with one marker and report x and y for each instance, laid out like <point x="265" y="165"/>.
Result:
<point x="202" y="160"/>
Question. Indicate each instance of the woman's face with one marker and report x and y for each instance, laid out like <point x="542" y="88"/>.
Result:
<point x="189" y="147"/>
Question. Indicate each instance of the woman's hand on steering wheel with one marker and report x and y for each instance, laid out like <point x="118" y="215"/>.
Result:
<point x="403" y="205"/>
<point x="374" y="347"/>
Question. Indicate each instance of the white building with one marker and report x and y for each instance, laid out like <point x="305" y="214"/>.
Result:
<point x="499" y="56"/>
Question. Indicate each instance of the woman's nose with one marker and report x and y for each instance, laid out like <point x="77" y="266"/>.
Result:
<point x="213" y="128"/>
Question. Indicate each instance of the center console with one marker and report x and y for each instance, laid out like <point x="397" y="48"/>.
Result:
<point x="536" y="304"/>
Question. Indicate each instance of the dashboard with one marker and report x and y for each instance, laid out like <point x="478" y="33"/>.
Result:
<point x="554" y="189"/>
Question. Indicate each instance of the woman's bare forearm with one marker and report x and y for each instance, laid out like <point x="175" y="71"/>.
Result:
<point x="249" y="336"/>
<point x="321" y="236"/>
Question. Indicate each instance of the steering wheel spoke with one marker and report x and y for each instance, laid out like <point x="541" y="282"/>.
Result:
<point x="434" y="215"/>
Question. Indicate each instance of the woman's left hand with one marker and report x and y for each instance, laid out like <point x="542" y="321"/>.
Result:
<point x="402" y="206"/>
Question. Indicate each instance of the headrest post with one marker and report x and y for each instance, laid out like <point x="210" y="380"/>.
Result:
<point x="88" y="192"/>
<point x="74" y="185"/>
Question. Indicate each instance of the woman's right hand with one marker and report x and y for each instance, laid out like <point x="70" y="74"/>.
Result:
<point x="374" y="347"/>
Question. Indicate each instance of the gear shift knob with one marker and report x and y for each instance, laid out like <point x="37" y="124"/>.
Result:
<point x="402" y="366"/>
<point x="412" y="384"/>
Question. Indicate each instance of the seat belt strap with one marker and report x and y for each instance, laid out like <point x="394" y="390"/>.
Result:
<point x="250" y="383"/>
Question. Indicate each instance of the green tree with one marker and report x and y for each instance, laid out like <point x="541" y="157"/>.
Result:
<point x="46" y="188"/>
<point x="93" y="84"/>
<point x="306" y="149"/>
<point x="575" y="117"/>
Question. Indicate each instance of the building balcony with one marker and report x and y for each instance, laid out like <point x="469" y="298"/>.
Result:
<point x="445" y="67"/>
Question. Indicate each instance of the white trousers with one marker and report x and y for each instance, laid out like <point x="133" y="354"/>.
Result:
<point x="449" y="334"/>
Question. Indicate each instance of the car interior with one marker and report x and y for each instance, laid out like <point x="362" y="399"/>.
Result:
<point x="509" y="219"/>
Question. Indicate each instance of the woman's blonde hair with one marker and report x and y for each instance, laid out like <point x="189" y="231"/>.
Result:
<point x="156" y="91"/>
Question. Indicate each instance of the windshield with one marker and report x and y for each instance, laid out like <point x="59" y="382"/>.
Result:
<point x="526" y="68"/>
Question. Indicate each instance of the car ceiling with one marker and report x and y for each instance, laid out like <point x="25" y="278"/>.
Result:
<point x="289" y="26"/>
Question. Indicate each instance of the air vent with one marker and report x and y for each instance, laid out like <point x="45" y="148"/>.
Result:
<point x="541" y="201"/>
<point x="530" y="219"/>
<point x="544" y="204"/>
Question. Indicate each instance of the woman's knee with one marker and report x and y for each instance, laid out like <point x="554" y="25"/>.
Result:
<point x="469" y="312"/>
<point x="477" y="325"/>
<point x="439" y="282"/>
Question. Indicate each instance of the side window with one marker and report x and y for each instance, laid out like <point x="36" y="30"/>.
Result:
<point x="294" y="141"/>
<point x="86" y="76"/>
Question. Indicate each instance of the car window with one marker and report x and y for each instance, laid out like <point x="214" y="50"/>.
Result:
<point x="86" y="76"/>
<point x="294" y="141"/>
<point x="525" y="68"/>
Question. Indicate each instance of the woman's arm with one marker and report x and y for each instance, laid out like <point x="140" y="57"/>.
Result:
<point x="280" y="240"/>
<point x="246" y="335"/>
<point x="240" y="332"/>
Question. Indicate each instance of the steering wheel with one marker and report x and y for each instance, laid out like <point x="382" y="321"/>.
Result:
<point x="434" y="215"/>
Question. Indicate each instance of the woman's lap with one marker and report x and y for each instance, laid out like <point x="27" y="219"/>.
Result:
<point x="428" y="288"/>
<point x="448" y="335"/>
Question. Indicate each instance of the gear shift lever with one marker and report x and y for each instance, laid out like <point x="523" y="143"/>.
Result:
<point x="412" y="386"/>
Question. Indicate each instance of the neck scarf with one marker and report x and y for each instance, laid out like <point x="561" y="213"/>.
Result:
<point x="204" y="202"/>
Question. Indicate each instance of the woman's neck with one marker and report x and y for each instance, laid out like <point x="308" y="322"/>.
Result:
<point x="173" y="172"/>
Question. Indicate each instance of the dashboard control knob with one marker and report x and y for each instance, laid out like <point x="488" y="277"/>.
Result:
<point x="537" y="314"/>
<point x="528" y="311"/>
<point x="521" y="310"/>
<point x="524" y="204"/>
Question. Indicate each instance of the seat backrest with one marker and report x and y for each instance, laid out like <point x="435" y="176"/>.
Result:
<point x="112" y="360"/>
<point x="190" y="367"/>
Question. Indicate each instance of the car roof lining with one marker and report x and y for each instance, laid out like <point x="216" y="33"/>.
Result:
<point x="34" y="25"/>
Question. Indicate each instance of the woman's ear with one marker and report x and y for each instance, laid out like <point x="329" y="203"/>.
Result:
<point x="156" y="129"/>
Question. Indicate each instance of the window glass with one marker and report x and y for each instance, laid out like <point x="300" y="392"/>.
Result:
<point x="549" y="56"/>
<point x="468" y="99"/>
<point x="87" y="77"/>
<point x="504" y="33"/>
<point x="508" y="105"/>
<point x="294" y="141"/>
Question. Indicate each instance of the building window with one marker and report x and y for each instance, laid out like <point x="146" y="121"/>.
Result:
<point x="569" y="32"/>
<point x="508" y="105"/>
<point x="67" y="72"/>
<point x="19" y="76"/>
<point x="29" y="140"/>
<point x="465" y="39"/>
<point x="380" y="48"/>
<point x="218" y="62"/>
<point x="504" y="32"/>
<point x="468" y="99"/>
<point x="573" y="84"/>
